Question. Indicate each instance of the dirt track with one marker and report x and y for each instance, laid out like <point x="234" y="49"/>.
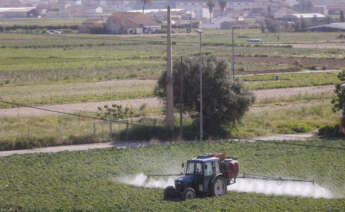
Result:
<point x="84" y="147"/>
<point x="150" y="102"/>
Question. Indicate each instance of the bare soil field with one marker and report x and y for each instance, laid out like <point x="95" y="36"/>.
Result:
<point x="286" y="92"/>
<point x="150" y="102"/>
<point x="77" y="107"/>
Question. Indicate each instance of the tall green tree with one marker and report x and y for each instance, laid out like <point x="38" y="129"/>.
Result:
<point x="303" y="24"/>
<point x="222" y="5"/>
<point x="272" y="25"/>
<point x="225" y="101"/>
<point x="339" y="99"/>
<point x="211" y="5"/>
<point x="145" y="2"/>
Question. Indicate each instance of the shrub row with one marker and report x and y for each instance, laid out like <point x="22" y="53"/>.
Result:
<point x="37" y="27"/>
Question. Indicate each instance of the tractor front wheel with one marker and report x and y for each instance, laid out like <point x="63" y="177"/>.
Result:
<point x="169" y="193"/>
<point x="218" y="187"/>
<point x="188" y="193"/>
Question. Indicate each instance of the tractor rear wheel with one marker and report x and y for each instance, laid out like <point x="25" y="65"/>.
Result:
<point x="218" y="187"/>
<point x="188" y="193"/>
<point x="169" y="193"/>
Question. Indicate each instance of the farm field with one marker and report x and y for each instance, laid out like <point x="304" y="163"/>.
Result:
<point x="64" y="93"/>
<point x="42" y="131"/>
<point x="89" y="180"/>
<point x="41" y="69"/>
<point x="77" y="73"/>
<point x="41" y="22"/>
<point x="80" y="57"/>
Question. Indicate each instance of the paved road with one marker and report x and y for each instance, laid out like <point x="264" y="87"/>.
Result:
<point x="150" y="102"/>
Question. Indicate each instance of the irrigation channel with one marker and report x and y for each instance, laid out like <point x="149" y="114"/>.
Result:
<point x="264" y="186"/>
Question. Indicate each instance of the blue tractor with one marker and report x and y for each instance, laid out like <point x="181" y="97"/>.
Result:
<point x="206" y="175"/>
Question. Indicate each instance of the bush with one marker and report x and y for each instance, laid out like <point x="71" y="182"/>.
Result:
<point x="225" y="100"/>
<point x="294" y="127"/>
<point x="331" y="132"/>
<point x="153" y="129"/>
<point x="97" y="29"/>
<point x="339" y="100"/>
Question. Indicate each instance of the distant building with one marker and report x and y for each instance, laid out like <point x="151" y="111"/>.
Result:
<point x="334" y="27"/>
<point x="241" y="4"/>
<point x="197" y="7"/>
<point x="305" y="16"/>
<point x="10" y="3"/>
<point x="290" y="3"/>
<point x="216" y="23"/>
<point x="131" y="23"/>
<point x="18" y="12"/>
<point x="334" y="9"/>
<point x="282" y="13"/>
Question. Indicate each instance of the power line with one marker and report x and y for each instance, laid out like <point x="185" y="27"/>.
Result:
<point x="65" y="113"/>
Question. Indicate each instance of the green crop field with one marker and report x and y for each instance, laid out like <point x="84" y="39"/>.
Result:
<point x="63" y="93"/>
<point x="89" y="180"/>
<point x="26" y="58"/>
<point x="34" y="68"/>
<point x="68" y="92"/>
<point x="269" y="81"/>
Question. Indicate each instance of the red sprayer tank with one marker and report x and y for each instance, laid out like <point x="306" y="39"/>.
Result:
<point x="232" y="168"/>
<point x="229" y="166"/>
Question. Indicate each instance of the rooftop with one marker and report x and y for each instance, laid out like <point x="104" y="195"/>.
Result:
<point x="309" y="15"/>
<point x="132" y="19"/>
<point x="204" y="158"/>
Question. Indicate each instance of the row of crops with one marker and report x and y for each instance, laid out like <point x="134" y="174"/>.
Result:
<point x="87" y="180"/>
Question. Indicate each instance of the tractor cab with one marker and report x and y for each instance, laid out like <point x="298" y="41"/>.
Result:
<point x="204" y="175"/>
<point x="198" y="175"/>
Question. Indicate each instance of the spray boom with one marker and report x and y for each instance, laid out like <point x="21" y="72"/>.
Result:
<point x="261" y="177"/>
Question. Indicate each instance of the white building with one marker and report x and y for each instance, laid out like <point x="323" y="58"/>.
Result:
<point x="198" y="7"/>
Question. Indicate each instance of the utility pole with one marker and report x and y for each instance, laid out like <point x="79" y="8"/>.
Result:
<point x="170" y="95"/>
<point x="201" y="96"/>
<point x="181" y="98"/>
<point x="233" y="54"/>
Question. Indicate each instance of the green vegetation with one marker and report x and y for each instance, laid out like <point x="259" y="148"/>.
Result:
<point x="331" y="131"/>
<point x="232" y="101"/>
<point x="88" y="180"/>
<point x="300" y="98"/>
<point x="35" y="67"/>
<point x="78" y="57"/>
<point x="28" y="132"/>
<point x="68" y="92"/>
<point x="63" y="93"/>
<point x="297" y="119"/>
<point x="339" y="98"/>
<point x="268" y="81"/>
<point x="46" y="22"/>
